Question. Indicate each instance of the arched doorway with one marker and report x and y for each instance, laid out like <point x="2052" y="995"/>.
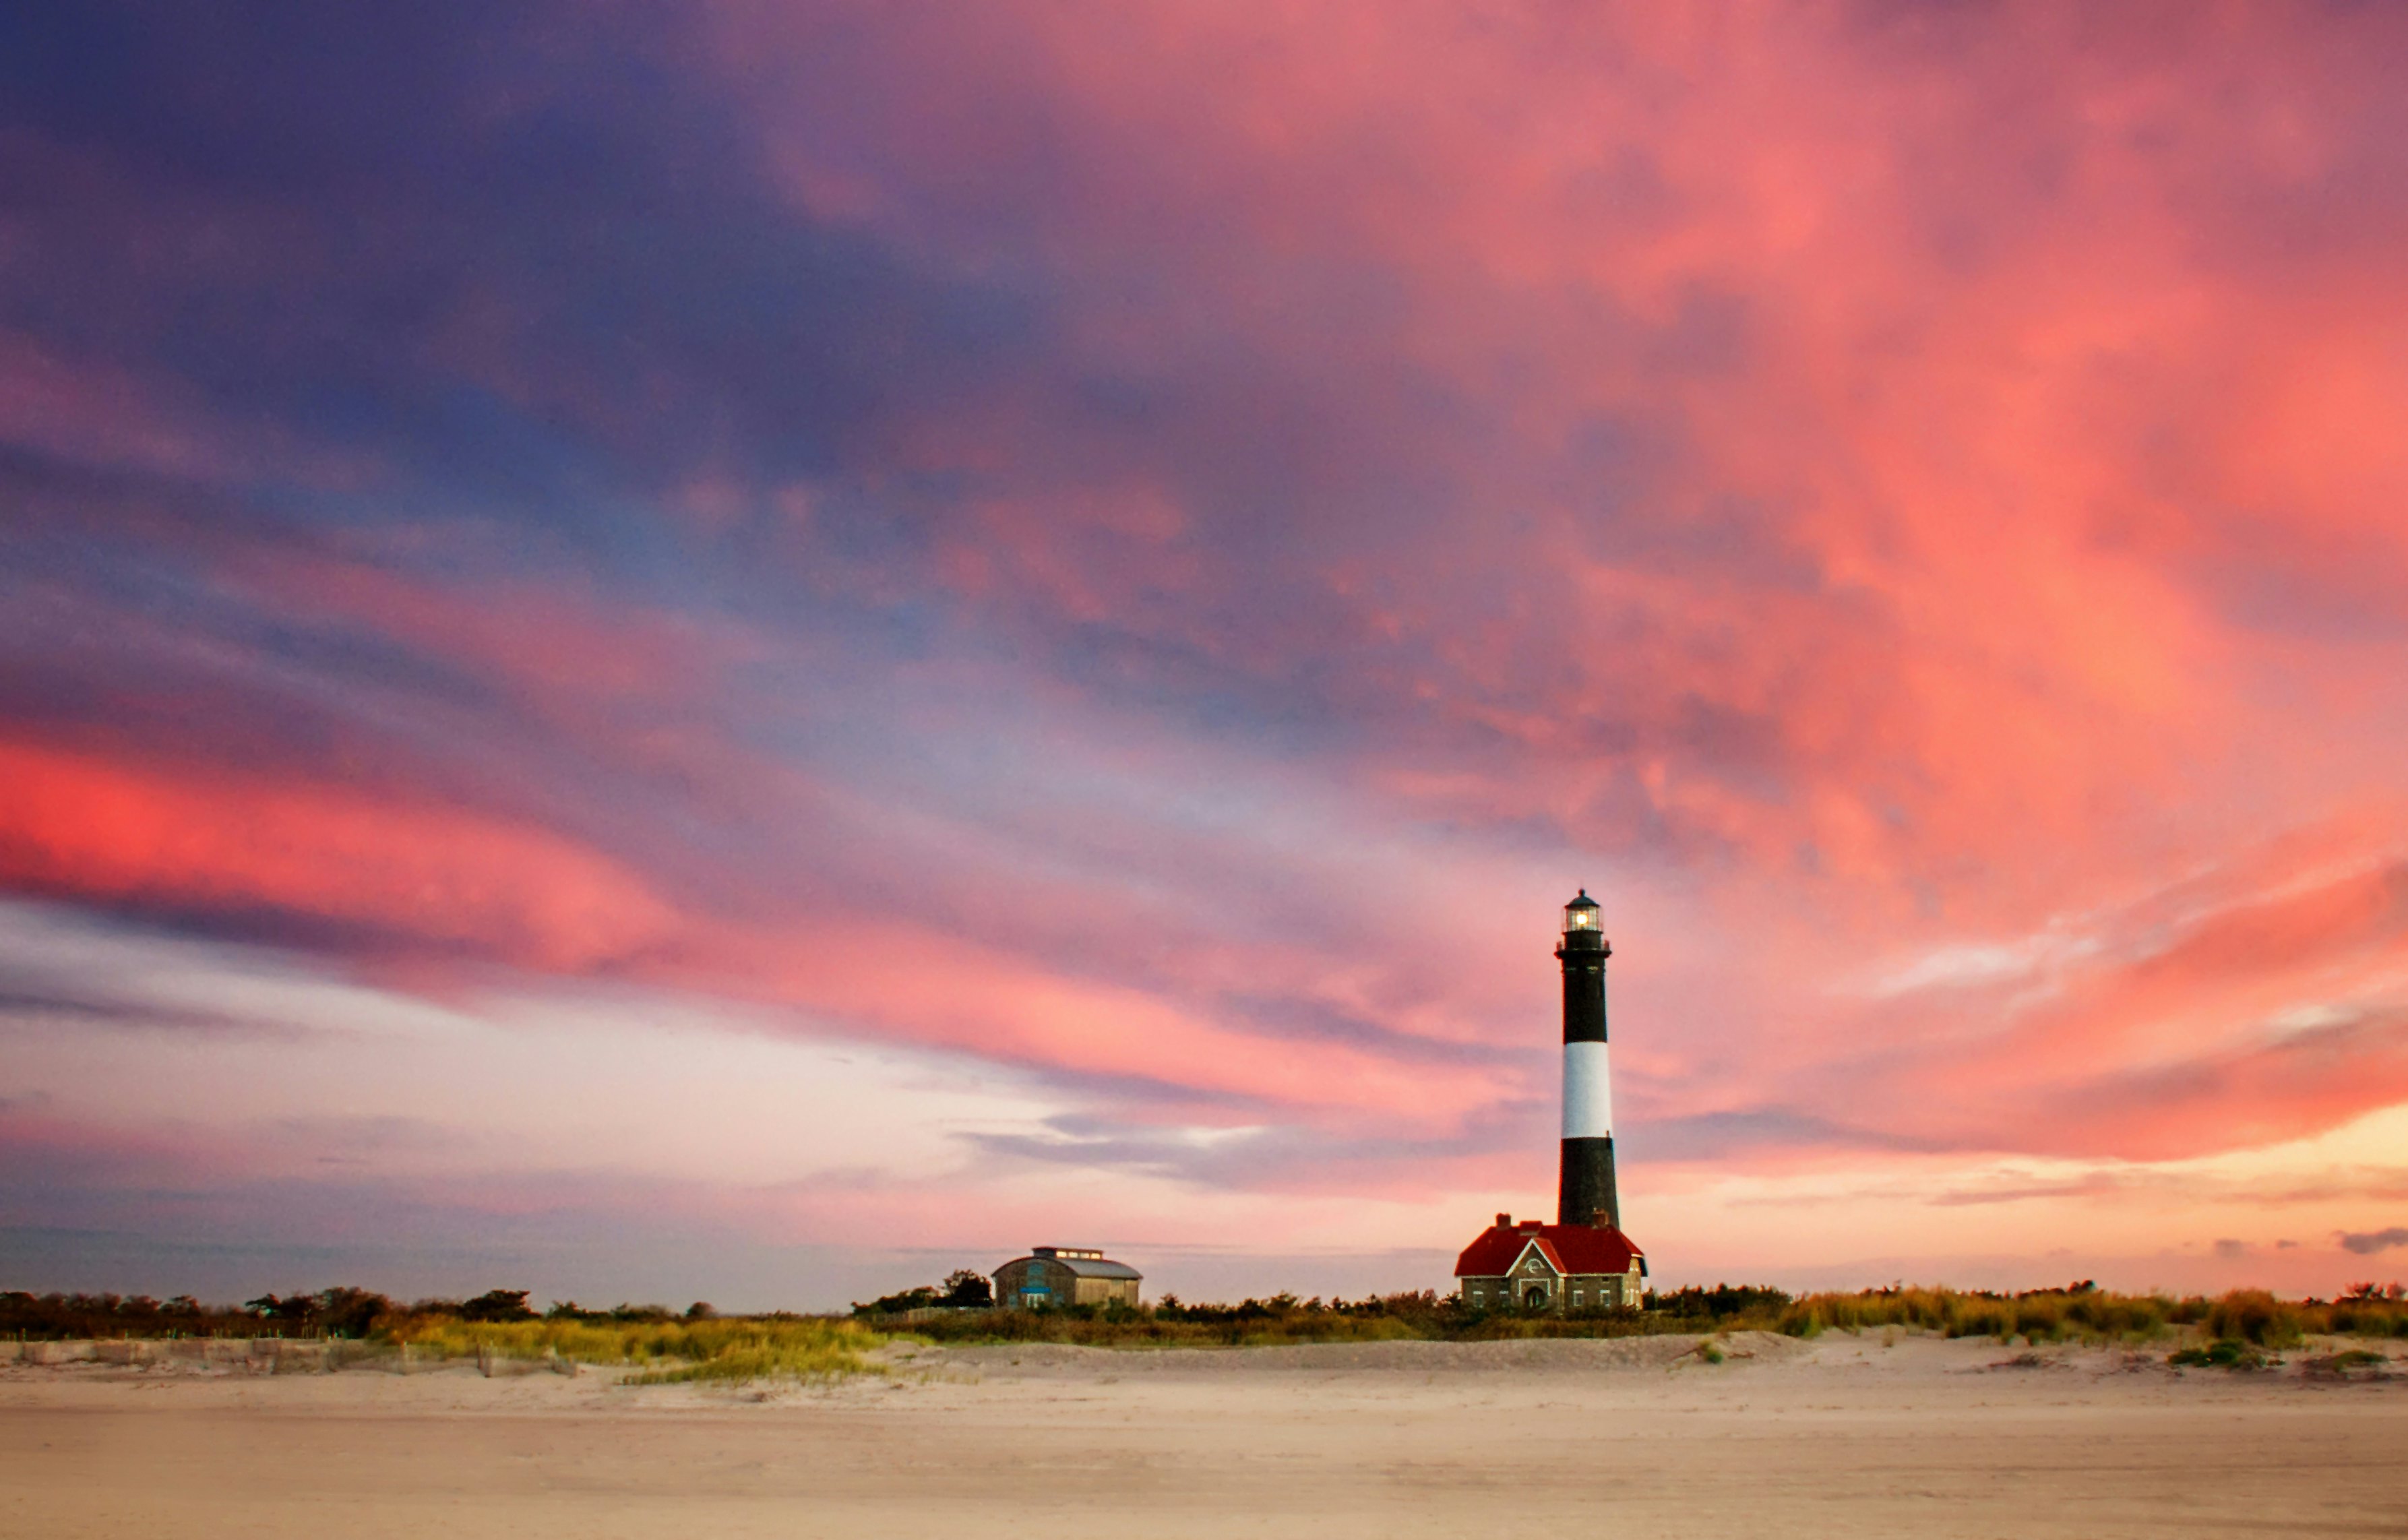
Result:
<point x="1535" y="1296"/>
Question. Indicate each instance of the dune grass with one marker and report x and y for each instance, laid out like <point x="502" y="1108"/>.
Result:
<point x="660" y="1352"/>
<point x="2250" y="1316"/>
<point x="2039" y="1315"/>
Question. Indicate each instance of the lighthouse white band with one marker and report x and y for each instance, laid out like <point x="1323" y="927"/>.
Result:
<point x="1588" y="1092"/>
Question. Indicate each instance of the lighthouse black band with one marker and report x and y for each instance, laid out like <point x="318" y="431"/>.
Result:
<point x="1585" y="1195"/>
<point x="1583" y="995"/>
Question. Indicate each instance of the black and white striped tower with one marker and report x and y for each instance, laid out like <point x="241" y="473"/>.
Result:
<point x="1585" y="1195"/>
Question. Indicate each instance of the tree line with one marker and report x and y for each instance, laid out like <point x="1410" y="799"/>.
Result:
<point x="344" y="1311"/>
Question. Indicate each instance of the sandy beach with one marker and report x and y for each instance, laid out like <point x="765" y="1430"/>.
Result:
<point x="1843" y="1436"/>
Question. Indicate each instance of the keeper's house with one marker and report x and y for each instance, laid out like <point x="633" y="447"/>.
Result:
<point x="1053" y="1275"/>
<point x="1555" y="1268"/>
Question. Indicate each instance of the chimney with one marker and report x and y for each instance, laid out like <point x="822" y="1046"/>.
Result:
<point x="1585" y="1195"/>
<point x="1504" y="1221"/>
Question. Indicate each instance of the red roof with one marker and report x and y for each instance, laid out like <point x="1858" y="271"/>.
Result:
<point x="1568" y="1249"/>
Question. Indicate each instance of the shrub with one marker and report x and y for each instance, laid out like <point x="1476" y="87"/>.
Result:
<point x="966" y="1290"/>
<point x="2225" y="1353"/>
<point x="1721" y="1302"/>
<point x="497" y="1304"/>
<point x="2253" y="1315"/>
<point x="706" y="1348"/>
<point x="331" y="1312"/>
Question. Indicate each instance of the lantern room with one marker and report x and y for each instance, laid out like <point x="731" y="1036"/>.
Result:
<point x="1581" y="930"/>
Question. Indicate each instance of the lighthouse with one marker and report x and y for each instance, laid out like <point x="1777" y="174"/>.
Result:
<point x="1583" y="1261"/>
<point x="1584" y="1193"/>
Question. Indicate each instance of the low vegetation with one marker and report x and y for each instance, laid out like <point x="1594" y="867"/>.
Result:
<point x="2350" y="1363"/>
<point x="658" y="1345"/>
<point x="2076" y="1312"/>
<point x="655" y="1343"/>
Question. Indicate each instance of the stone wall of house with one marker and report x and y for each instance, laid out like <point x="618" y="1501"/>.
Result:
<point x="1580" y="1291"/>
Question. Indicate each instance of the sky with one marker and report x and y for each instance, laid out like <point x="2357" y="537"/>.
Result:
<point x="753" y="651"/>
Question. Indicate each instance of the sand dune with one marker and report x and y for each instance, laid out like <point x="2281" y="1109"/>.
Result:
<point x="1845" y="1436"/>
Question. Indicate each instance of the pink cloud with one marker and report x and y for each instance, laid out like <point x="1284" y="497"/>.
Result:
<point x="78" y="826"/>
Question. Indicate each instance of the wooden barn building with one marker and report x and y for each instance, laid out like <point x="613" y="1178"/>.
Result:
<point x="1051" y="1275"/>
<point x="1553" y="1267"/>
